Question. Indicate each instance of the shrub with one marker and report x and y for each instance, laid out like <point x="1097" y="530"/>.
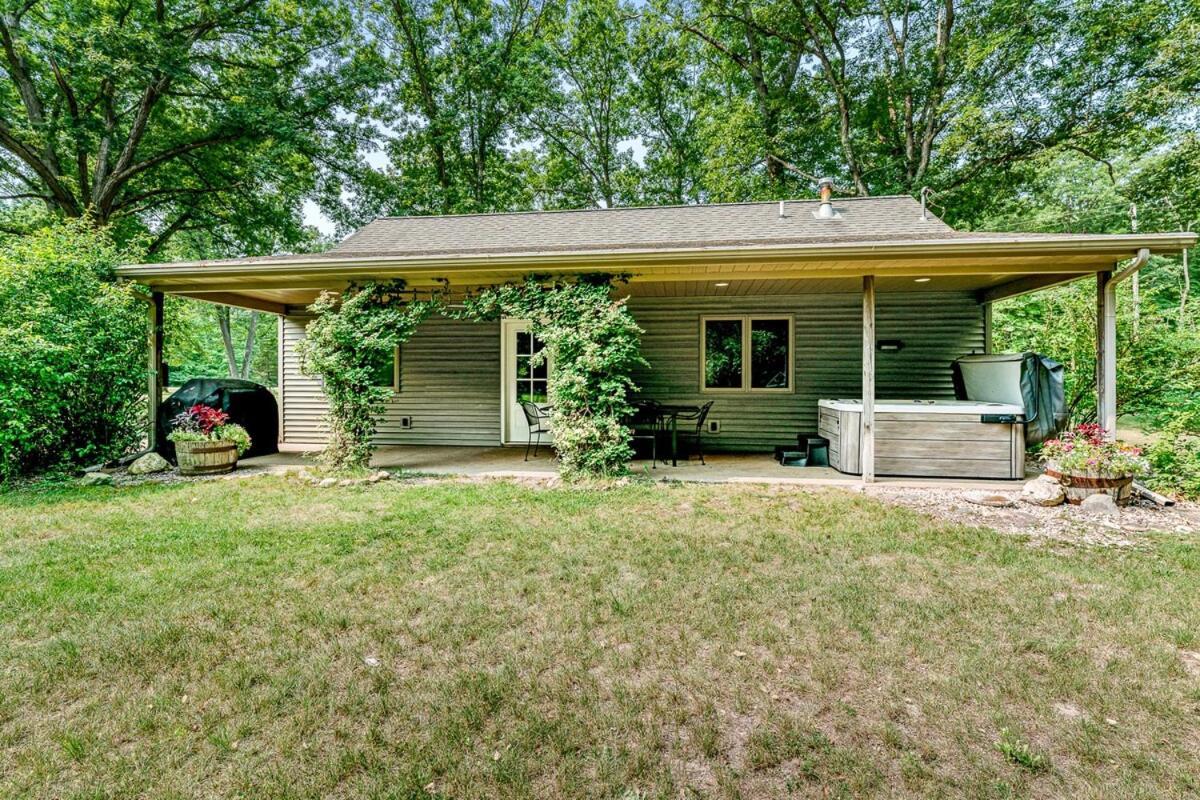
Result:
<point x="1174" y="458"/>
<point x="593" y="342"/>
<point x="343" y="346"/>
<point x="72" y="351"/>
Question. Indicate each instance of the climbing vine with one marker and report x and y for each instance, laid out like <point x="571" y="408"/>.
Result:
<point x="344" y="344"/>
<point x="593" y="343"/>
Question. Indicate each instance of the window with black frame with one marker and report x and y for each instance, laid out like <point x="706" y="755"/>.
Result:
<point x="747" y="353"/>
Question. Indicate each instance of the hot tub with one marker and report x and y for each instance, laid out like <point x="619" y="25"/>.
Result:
<point x="928" y="438"/>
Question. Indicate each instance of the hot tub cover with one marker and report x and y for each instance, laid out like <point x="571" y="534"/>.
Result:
<point x="1038" y="383"/>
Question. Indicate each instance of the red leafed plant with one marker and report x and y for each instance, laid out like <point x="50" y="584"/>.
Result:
<point x="199" y="419"/>
<point x="203" y="424"/>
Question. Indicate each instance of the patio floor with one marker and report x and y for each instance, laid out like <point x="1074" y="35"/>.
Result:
<point x="509" y="462"/>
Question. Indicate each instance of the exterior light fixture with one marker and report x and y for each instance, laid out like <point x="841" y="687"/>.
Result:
<point x="922" y="280"/>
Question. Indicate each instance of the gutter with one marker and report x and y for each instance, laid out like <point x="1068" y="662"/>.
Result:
<point x="1140" y="260"/>
<point x="343" y="265"/>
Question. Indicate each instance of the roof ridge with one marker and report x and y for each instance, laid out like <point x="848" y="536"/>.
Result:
<point x="532" y="212"/>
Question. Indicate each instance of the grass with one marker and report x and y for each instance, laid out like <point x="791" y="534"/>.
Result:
<point x="268" y="639"/>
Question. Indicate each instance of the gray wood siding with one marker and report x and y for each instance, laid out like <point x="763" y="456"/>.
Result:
<point x="935" y="328"/>
<point x="449" y="385"/>
<point x="450" y="370"/>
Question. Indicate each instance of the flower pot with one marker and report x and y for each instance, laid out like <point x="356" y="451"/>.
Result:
<point x="1078" y="484"/>
<point x="205" y="458"/>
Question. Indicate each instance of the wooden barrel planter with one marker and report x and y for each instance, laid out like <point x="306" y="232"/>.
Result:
<point x="1078" y="485"/>
<point x="205" y="458"/>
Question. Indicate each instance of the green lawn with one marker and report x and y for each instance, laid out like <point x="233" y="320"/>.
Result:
<point x="262" y="639"/>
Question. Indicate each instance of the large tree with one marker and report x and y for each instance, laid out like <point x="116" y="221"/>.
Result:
<point x="170" y="115"/>
<point x="464" y="76"/>
<point x="889" y="95"/>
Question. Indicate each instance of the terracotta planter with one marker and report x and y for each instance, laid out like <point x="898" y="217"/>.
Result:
<point x="205" y="458"/>
<point x="1080" y="484"/>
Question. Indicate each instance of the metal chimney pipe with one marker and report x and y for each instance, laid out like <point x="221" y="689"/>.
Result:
<point x="825" y="190"/>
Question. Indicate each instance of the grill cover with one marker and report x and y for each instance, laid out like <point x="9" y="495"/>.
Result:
<point x="249" y="404"/>
<point x="1028" y="379"/>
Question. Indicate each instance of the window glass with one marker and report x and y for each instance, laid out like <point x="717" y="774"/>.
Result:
<point x="383" y="369"/>
<point x="723" y="354"/>
<point x="769" y="354"/>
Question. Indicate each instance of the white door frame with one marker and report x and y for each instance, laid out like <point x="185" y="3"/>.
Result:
<point x="508" y="327"/>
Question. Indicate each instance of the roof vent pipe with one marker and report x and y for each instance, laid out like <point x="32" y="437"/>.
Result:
<point x="925" y="194"/>
<point x="781" y="214"/>
<point x="825" y="189"/>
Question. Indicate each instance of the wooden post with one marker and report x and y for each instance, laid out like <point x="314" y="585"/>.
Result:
<point x="987" y="328"/>
<point x="1106" y="353"/>
<point x="868" y="379"/>
<point x="156" y="378"/>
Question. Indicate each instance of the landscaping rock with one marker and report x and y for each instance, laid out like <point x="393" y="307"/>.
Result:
<point x="381" y="475"/>
<point x="1044" y="491"/>
<point x="991" y="499"/>
<point x="96" y="479"/>
<point x="151" y="462"/>
<point x="1099" y="505"/>
<point x="327" y="482"/>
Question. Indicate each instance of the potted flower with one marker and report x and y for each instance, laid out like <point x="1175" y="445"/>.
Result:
<point x="1087" y="463"/>
<point x="206" y="442"/>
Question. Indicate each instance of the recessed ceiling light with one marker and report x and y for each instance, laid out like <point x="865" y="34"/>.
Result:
<point x="921" y="280"/>
<point x="722" y="284"/>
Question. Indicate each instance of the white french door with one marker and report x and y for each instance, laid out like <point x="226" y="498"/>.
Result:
<point x="522" y="380"/>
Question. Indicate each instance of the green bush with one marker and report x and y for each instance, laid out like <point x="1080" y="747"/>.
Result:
<point x="343" y="345"/>
<point x="1174" y="458"/>
<point x="72" y="351"/>
<point x="594" y="344"/>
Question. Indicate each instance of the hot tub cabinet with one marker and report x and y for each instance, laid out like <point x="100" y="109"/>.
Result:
<point x="928" y="438"/>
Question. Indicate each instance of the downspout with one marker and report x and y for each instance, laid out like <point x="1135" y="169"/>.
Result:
<point x="1139" y="261"/>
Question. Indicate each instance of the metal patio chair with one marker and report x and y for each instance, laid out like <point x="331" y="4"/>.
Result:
<point x="646" y="423"/>
<point x="696" y="433"/>
<point x="537" y="419"/>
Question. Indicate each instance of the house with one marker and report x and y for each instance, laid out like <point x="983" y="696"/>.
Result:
<point x="856" y="297"/>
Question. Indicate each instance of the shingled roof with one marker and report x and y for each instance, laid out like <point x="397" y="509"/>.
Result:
<point x="648" y="228"/>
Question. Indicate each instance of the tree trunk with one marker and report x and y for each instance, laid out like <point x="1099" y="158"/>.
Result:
<point x="248" y="352"/>
<point x="223" y="321"/>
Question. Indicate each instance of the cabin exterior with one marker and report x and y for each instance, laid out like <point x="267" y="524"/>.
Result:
<point x="858" y="298"/>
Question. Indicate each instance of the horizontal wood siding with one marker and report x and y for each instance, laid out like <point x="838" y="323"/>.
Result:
<point x="449" y="385"/>
<point x="935" y="329"/>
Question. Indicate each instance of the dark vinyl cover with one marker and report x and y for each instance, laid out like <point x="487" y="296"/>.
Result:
<point x="249" y="404"/>
<point x="1041" y="390"/>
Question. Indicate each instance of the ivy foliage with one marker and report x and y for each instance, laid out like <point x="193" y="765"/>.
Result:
<point x="344" y="345"/>
<point x="594" y="344"/>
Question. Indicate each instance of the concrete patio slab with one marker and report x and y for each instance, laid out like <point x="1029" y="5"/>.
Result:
<point x="509" y="462"/>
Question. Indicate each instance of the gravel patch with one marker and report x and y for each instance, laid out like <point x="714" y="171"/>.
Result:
<point x="1064" y="523"/>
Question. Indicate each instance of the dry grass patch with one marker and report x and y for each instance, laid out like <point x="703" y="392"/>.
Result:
<point x="495" y="640"/>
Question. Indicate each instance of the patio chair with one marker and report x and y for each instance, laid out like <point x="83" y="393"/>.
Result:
<point x="538" y="422"/>
<point x="646" y="423"/>
<point x="696" y="433"/>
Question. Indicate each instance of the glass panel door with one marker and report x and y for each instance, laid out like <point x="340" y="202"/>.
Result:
<point x="524" y="381"/>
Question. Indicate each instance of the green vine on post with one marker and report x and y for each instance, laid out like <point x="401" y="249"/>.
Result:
<point x="593" y="342"/>
<point x="344" y="344"/>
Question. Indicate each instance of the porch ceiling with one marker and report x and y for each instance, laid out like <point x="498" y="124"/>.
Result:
<point x="991" y="265"/>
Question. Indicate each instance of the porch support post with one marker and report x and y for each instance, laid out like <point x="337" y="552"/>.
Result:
<point x="868" y="379"/>
<point x="987" y="328"/>
<point x="1106" y="352"/>
<point x="156" y="378"/>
